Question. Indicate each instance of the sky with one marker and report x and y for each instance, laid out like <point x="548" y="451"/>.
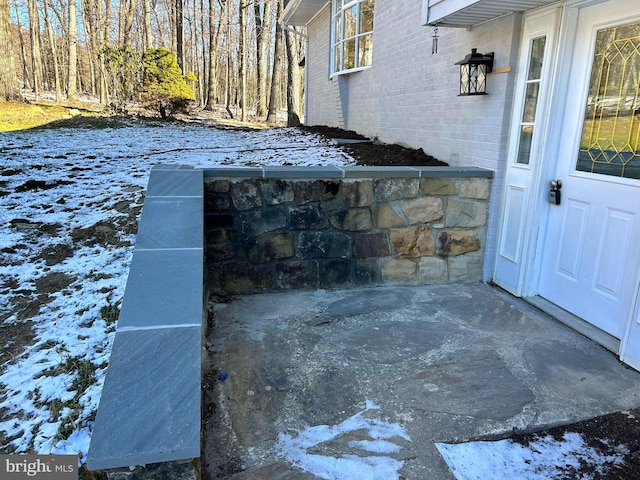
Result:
<point x="92" y="181"/>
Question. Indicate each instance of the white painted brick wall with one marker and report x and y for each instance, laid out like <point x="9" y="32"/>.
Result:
<point x="410" y="96"/>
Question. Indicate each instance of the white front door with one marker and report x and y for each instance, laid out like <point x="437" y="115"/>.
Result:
<point x="591" y="244"/>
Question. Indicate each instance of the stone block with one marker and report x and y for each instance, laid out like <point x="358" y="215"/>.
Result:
<point x="400" y="270"/>
<point x="224" y="251"/>
<point x="276" y="192"/>
<point x="353" y="219"/>
<point x="257" y="222"/>
<point x="175" y="183"/>
<point x="388" y="189"/>
<point x="368" y="272"/>
<point x="307" y="217"/>
<point x="433" y="270"/>
<point x="479" y="188"/>
<point x="457" y="242"/>
<point x="245" y="195"/>
<point x="218" y="220"/>
<point x="465" y="213"/>
<point x="385" y="216"/>
<point x="368" y="245"/>
<point x="324" y="244"/>
<point x="240" y="277"/>
<point x="413" y="242"/>
<point x="423" y="210"/>
<point x="315" y="191"/>
<point x="172" y="222"/>
<point x="217" y="201"/>
<point x="296" y="274"/>
<point x="217" y="186"/>
<point x="271" y="246"/>
<point x="222" y="235"/>
<point x="439" y="186"/>
<point x="358" y="194"/>
<point x="466" y="268"/>
<point x="335" y="272"/>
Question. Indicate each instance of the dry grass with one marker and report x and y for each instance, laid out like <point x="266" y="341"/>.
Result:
<point x="21" y="115"/>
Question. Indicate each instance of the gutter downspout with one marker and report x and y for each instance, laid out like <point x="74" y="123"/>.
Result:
<point x="288" y="28"/>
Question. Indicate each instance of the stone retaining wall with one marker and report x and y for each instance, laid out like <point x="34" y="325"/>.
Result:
<point x="322" y="227"/>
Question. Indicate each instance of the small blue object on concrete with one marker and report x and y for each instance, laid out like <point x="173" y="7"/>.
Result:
<point x="222" y="377"/>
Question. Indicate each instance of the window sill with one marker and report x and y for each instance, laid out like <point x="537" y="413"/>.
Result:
<point x="349" y="72"/>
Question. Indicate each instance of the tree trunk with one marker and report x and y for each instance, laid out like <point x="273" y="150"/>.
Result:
<point x="72" y="80"/>
<point x="54" y="51"/>
<point x="293" y="81"/>
<point x="272" y="116"/>
<point x="263" y="39"/>
<point x="214" y="41"/>
<point x="180" y="34"/>
<point x="243" y="59"/>
<point x="23" y="50"/>
<point x="148" y="37"/>
<point x="129" y="15"/>
<point x="36" y="49"/>
<point x="8" y="81"/>
<point x="229" y="60"/>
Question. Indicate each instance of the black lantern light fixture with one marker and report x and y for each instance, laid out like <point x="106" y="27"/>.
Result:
<point x="473" y="72"/>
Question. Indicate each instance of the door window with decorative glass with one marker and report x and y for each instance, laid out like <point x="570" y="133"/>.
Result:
<point x="610" y="143"/>
<point x="352" y="35"/>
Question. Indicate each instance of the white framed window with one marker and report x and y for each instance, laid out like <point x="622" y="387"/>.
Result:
<point x="351" y="35"/>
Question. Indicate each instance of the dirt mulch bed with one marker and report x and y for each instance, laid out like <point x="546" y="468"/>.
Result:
<point x="374" y="153"/>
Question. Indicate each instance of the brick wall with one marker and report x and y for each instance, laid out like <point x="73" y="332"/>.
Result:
<point x="265" y="234"/>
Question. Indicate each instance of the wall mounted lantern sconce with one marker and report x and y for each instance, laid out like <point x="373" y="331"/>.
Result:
<point x="473" y="72"/>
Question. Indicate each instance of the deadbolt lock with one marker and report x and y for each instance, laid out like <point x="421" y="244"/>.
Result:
<point x="554" y="193"/>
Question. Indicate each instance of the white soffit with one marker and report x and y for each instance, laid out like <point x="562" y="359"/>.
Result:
<point x="467" y="13"/>
<point x="299" y="13"/>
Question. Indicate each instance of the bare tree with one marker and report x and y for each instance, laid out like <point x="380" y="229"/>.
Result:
<point x="8" y="81"/>
<point x="36" y="49"/>
<point x="275" y="79"/>
<point x="72" y="73"/>
<point x="262" y="12"/>
<point x="54" y="51"/>
<point x="293" y="79"/>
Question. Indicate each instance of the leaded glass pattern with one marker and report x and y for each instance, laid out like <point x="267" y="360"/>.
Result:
<point x="610" y="139"/>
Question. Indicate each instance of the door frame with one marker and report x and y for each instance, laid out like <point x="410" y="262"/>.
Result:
<point x="536" y="215"/>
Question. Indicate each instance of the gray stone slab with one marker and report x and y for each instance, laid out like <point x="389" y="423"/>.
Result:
<point x="234" y="172"/>
<point x="164" y="287"/>
<point x="172" y="166"/>
<point x="463" y="172"/>
<point x="471" y="383"/>
<point x="171" y="223"/>
<point x="380" y="172"/>
<point x="302" y="172"/>
<point x="150" y="406"/>
<point x="175" y="183"/>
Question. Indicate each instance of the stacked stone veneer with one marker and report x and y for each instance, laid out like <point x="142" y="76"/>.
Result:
<point x="352" y="227"/>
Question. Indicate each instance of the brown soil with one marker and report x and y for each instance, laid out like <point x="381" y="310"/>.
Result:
<point x="603" y="434"/>
<point x="374" y="153"/>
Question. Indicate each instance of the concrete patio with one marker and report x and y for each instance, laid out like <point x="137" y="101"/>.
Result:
<point x="440" y="363"/>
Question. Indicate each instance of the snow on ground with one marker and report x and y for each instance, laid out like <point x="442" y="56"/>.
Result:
<point x="363" y="466"/>
<point x="65" y="247"/>
<point x="543" y="459"/>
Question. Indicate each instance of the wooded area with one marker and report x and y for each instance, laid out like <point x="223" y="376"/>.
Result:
<point x="233" y="54"/>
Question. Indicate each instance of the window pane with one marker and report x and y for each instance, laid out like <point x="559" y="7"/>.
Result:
<point x="610" y="143"/>
<point x="537" y="57"/>
<point x="349" y="53"/>
<point x="338" y="27"/>
<point x="531" y="102"/>
<point x="365" y="51"/>
<point x="524" y="146"/>
<point x="338" y="58"/>
<point x="350" y="16"/>
<point x="366" y="16"/>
